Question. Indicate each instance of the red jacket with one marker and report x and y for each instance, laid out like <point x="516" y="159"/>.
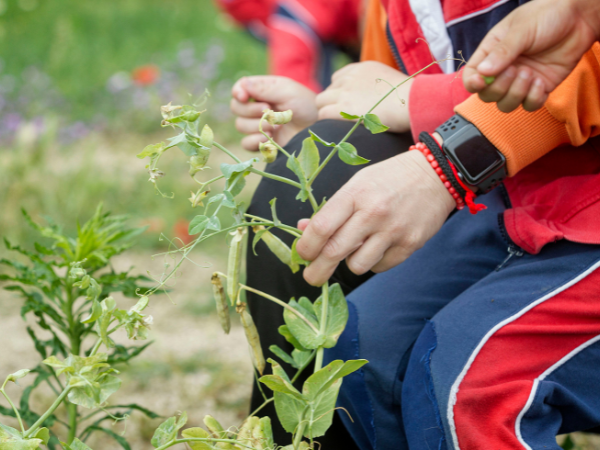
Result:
<point x="553" y="155"/>
<point x="295" y="31"/>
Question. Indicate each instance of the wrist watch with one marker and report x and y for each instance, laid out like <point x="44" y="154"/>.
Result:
<point x="479" y="164"/>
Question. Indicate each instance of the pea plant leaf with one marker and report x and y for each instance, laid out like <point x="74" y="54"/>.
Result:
<point x="167" y="431"/>
<point x="309" y="157"/>
<point x="185" y="143"/>
<point x="280" y="382"/>
<point x="289" y="411"/>
<point x="287" y="334"/>
<point x="214" y="224"/>
<point x="12" y="439"/>
<point x="294" y="165"/>
<point x="120" y="439"/>
<point x="276" y="221"/>
<point x="197" y="432"/>
<point x="306" y="336"/>
<point x="151" y="150"/>
<point x="235" y="173"/>
<point x="228" y="170"/>
<point x="75" y="445"/>
<point x="373" y="124"/>
<point x="301" y="357"/>
<point x="197" y="225"/>
<point x="321" y="141"/>
<point x="349" y="116"/>
<point x="347" y="153"/>
<point x="321" y="390"/>
<point x="337" y="314"/>
<point x="283" y="355"/>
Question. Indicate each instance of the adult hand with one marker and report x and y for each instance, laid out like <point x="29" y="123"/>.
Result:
<point x="376" y="220"/>
<point x="531" y="51"/>
<point x="354" y="89"/>
<point x="252" y="95"/>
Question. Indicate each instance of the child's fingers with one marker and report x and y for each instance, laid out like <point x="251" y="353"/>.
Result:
<point x="238" y="92"/>
<point x="250" y="110"/>
<point x="250" y="126"/>
<point x="473" y="81"/>
<point x="536" y="97"/>
<point x="251" y="142"/>
<point x="500" y="87"/>
<point x="517" y="92"/>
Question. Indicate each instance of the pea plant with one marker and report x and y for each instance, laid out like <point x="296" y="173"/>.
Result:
<point x="67" y="288"/>
<point x="311" y="326"/>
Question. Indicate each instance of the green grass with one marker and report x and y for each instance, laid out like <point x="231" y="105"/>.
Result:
<point x="80" y="44"/>
<point x="77" y="46"/>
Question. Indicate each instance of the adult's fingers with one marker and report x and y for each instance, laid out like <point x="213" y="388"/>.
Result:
<point x="369" y="254"/>
<point x="324" y="224"/>
<point x="518" y="91"/>
<point x="302" y="224"/>
<point x="500" y="87"/>
<point x="393" y="256"/>
<point x="250" y="109"/>
<point x="349" y="238"/>
<point x="251" y="142"/>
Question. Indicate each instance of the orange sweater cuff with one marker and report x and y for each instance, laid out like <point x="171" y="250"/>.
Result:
<point x="521" y="136"/>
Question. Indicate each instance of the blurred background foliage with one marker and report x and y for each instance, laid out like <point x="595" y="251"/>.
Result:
<point x="81" y="84"/>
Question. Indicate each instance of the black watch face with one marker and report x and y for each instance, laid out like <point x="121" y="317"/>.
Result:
<point x="473" y="152"/>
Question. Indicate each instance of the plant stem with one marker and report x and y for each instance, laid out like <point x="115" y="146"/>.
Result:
<point x="265" y="403"/>
<point x="291" y="230"/>
<point x="322" y="325"/>
<point x="13" y="407"/>
<point x="275" y="177"/>
<point x="281" y="303"/>
<point x="299" y="433"/>
<point x="47" y="414"/>
<point x="223" y="149"/>
<point x="184" y="440"/>
<point x="75" y="340"/>
<point x="304" y="366"/>
<point x="72" y="409"/>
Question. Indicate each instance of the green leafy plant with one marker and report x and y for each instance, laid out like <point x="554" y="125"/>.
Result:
<point x="67" y="288"/>
<point x="310" y="326"/>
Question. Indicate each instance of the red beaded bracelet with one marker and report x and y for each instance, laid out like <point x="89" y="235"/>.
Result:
<point x="460" y="203"/>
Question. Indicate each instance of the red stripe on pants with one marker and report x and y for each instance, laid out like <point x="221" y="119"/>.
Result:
<point x="497" y="385"/>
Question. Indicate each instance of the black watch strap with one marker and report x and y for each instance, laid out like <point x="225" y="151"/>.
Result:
<point x="451" y="126"/>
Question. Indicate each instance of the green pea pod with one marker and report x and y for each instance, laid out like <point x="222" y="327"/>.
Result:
<point x="207" y="137"/>
<point x="276" y="245"/>
<point x="234" y="263"/>
<point x="251" y="336"/>
<point x="221" y="302"/>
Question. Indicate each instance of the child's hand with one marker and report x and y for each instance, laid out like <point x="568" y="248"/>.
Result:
<point x="355" y="89"/>
<point x="531" y="51"/>
<point x="276" y="93"/>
